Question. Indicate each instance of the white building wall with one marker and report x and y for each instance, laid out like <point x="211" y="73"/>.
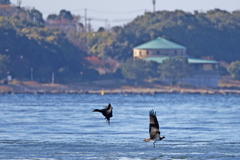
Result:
<point x="143" y="53"/>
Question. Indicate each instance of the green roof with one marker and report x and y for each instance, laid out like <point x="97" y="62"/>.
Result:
<point x="190" y="60"/>
<point x="159" y="43"/>
<point x="196" y="60"/>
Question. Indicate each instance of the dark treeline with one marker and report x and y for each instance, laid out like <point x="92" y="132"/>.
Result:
<point x="26" y="41"/>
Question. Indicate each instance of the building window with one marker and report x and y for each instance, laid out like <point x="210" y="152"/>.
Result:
<point x="176" y="52"/>
<point x="147" y="52"/>
<point x="158" y="52"/>
<point x="140" y="53"/>
<point x="167" y="52"/>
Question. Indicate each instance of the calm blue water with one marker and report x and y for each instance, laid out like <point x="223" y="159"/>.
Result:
<point x="64" y="127"/>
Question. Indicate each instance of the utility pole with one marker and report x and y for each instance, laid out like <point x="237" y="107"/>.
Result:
<point x="34" y="18"/>
<point x="85" y="27"/>
<point x="106" y="24"/>
<point x="52" y="77"/>
<point x="89" y="24"/>
<point x="31" y="74"/>
<point x="19" y="2"/>
<point x="27" y="15"/>
<point x="154" y="2"/>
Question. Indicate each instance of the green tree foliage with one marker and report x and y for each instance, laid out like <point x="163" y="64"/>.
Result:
<point x="63" y="14"/>
<point x="4" y="63"/>
<point x="137" y="70"/>
<point x="36" y="16"/>
<point x="223" y="70"/>
<point x="174" y="68"/>
<point x="215" y="33"/>
<point x="66" y="14"/>
<point x="30" y="45"/>
<point x="4" y="2"/>
<point x="151" y="69"/>
<point x="101" y="29"/>
<point x="133" y="69"/>
<point x="234" y="70"/>
<point x="52" y="17"/>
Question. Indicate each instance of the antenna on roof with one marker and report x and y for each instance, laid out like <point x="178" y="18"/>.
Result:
<point x="19" y="2"/>
<point x="154" y="2"/>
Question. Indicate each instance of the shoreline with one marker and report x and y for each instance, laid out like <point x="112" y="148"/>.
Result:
<point x="151" y="91"/>
<point x="32" y="87"/>
<point x="226" y="87"/>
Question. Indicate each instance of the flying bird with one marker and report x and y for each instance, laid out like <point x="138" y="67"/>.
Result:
<point x="106" y="112"/>
<point x="153" y="129"/>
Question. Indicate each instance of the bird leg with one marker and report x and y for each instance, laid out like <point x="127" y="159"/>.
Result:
<point x="154" y="144"/>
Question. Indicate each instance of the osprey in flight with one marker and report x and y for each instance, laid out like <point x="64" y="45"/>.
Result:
<point x="153" y="129"/>
<point x="107" y="112"/>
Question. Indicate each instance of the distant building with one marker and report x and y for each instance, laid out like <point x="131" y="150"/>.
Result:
<point x="160" y="49"/>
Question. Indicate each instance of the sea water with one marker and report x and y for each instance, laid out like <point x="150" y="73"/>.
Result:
<point x="64" y="127"/>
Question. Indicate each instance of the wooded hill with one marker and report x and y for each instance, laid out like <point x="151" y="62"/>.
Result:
<point x="26" y="43"/>
<point x="215" y="33"/>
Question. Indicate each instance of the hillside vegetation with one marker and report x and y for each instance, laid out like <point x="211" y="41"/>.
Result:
<point x="25" y="42"/>
<point x="215" y="34"/>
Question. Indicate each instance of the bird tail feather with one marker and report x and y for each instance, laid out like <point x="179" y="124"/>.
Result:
<point x="147" y="140"/>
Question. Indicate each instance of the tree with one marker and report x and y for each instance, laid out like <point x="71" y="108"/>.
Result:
<point x="36" y="16"/>
<point x="4" y="2"/>
<point x="63" y="14"/>
<point x="223" y="70"/>
<point x="133" y="69"/>
<point x="52" y="17"/>
<point x="173" y="69"/>
<point x="4" y="62"/>
<point x="66" y="15"/>
<point x="234" y="70"/>
<point x="30" y="45"/>
<point x="151" y="69"/>
<point x="101" y="29"/>
<point x="213" y="33"/>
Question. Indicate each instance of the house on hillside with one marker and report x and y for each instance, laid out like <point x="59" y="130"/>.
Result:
<point x="206" y="73"/>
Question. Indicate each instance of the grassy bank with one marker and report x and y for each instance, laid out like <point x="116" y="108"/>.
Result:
<point x="16" y="87"/>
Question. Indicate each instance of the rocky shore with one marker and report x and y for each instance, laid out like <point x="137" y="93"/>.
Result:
<point x="88" y="89"/>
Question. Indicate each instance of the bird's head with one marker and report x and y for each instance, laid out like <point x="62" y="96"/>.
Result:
<point x="161" y="138"/>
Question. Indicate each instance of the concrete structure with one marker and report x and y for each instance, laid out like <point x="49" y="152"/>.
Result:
<point x="160" y="49"/>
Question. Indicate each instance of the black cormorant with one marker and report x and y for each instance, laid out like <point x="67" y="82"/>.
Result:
<point x="107" y="112"/>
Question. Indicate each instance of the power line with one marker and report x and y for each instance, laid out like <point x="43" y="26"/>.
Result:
<point x="121" y="20"/>
<point x="105" y="19"/>
<point x="106" y="12"/>
<point x="78" y="10"/>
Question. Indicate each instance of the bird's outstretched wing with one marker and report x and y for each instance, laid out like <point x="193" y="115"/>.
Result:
<point x="153" y="125"/>
<point x="107" y="107"/>
<point x="109" y="110"/>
